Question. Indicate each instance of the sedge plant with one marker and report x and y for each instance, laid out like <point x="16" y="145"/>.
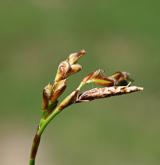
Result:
<point x="117" y="84"/>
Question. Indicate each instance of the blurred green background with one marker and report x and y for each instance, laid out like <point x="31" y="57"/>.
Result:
<point x="35" y="35"/>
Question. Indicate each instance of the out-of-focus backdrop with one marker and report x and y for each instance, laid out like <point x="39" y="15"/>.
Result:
<point x="35" y="35"/>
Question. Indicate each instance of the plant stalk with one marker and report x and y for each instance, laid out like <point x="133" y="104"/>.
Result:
<point x="34" y="148"/>
<point x="36" y="141"/>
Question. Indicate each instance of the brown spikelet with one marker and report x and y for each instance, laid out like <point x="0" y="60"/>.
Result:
<point x="98" y="93"/>
<point x="74" y="57"/>
<point x="70" y="99"/>
<point x="62" y="71"/>
<point x="47" y="92"/>
<point x="121" y="78"/>
<point x="98" y="78"/>
<point x="58" y="89"/>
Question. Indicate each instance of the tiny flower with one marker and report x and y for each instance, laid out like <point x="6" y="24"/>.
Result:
<point x="58" y="89"/>
<point x="69" y="66"/>
<point x="74" y="57"/>
<point x="98" y="78"/>
<point x="74" y="69"/>
<point x="121" y="78"/>
<point x="62" y="71"/>
<point x="70" y="99"/>
<point x="47" y="91"/>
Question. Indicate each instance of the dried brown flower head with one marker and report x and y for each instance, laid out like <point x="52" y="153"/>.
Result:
<point x="116" y="84"/>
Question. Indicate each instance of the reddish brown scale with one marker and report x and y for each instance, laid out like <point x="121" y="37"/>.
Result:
<point x="69" y="100"/>
<point x="56" y="94"/>
<point x="64" y="69"/>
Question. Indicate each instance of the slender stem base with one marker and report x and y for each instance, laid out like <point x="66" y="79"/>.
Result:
<point x="36" y="141"/>
<point x="34" y="149"/>
<point x="32" y="162"/>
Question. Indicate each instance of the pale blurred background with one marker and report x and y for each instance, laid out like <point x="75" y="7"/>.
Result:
<point x="35" y="35"/>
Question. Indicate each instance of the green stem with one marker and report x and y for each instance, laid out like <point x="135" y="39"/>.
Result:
<point x="36" y="141"/>
<point x="32" y="162"/>
<point x="46" y="121"/>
